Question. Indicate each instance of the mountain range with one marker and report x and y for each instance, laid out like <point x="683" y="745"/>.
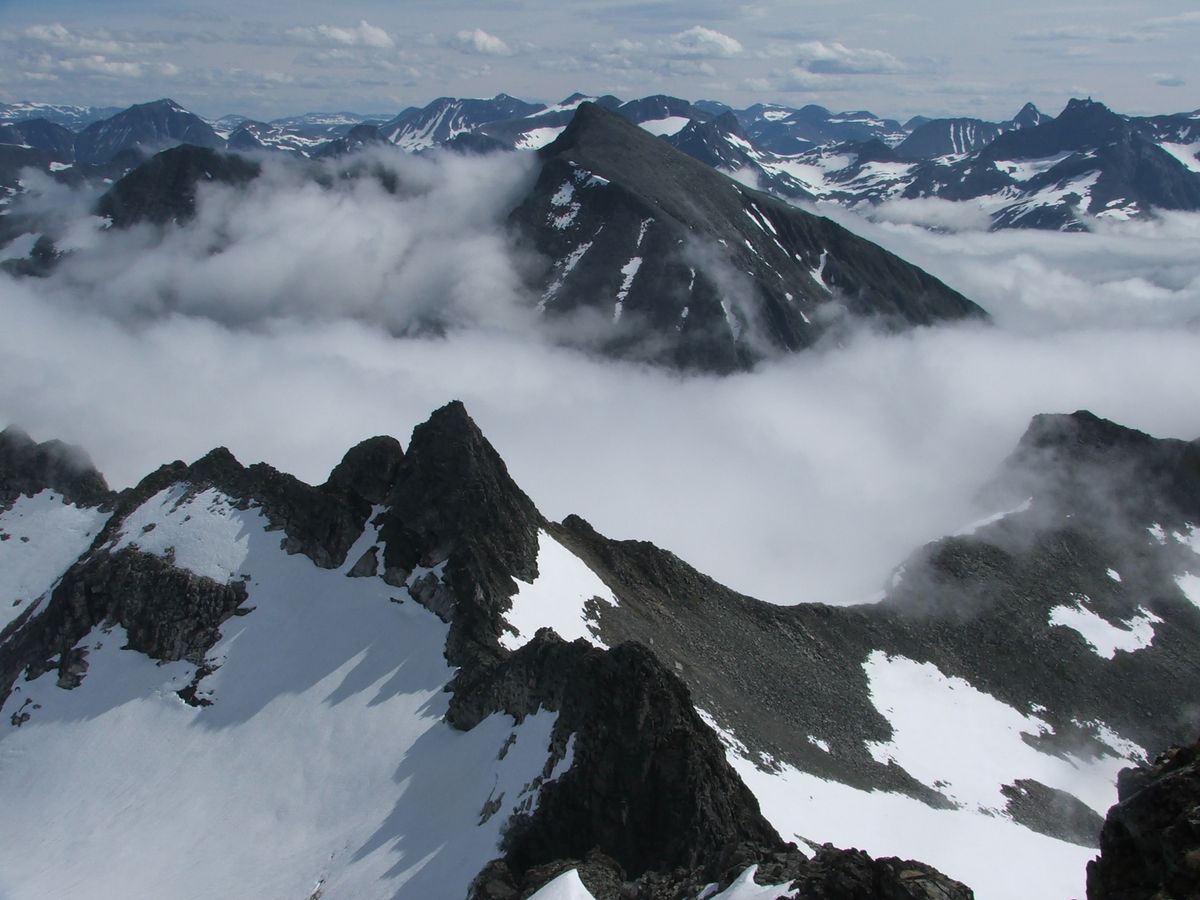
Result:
<point x="639" y="250"/>
<point x="1033" y="171"/>
<point x="407" y="682"/>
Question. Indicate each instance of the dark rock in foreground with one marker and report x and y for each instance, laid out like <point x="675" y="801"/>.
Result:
<point x="1150" y="845"/>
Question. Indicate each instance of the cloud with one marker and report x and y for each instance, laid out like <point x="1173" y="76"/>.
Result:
<point x="703" y="42"/>
<point x="278" y="325"/>
<point x="362" y="35"/>
<point x="477" y="41"/>
<point x="819" y="57"/>
<point x="1166" y="79"/>
<point x="1090" y="33"/>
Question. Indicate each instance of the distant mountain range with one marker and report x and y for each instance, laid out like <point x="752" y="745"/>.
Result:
<point x="645" y="252"/>
<point x="1031" y="171"/>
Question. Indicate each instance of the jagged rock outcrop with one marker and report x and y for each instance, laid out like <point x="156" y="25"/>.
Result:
<point x="1150" y="844"/>
<point x="978" y="606"/>
<point x="454" y="502"/>
<point x="167" y="612"/>
<point x="27" y="467"/>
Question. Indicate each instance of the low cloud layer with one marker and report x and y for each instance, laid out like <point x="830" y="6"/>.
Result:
<point x="809" y="479"/>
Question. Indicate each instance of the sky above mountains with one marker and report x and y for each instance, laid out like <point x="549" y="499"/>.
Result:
<point x="269" y="58"/>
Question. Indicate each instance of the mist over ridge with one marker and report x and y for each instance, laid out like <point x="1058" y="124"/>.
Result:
<point x="807" y="479"/>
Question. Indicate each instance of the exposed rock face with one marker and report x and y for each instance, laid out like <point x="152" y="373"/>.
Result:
<point x="163" y="189"/>
<point x="169" y="613"/>
<point x="454" y="502"/>
<point x="1056" y="813"/>
<point x="977" y="606"/>
<point x="27" y="467"/>
<point x="1150" y="845"/>
<point x="649" y="786"/>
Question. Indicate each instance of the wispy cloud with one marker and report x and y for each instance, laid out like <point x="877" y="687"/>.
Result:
<point x="364" y="34"/>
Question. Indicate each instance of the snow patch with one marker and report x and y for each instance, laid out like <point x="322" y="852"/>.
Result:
<point x="1185" y="153"/>
<point x="967" y="744"/>
<point x="42" y="535"/>
<point x="557" y="598"/>
<point x="820" y="744"/>
<point x="1101" y="635"/>
<point x="1114" y="575"/>
<point x="537" y="138"/>
<point x="818" y="273"/>
<point x="335" y="757"/>
<point x="629" y="270"/>
<point x="744" y="887"/>
<point x="566" y="886"/>
<point x="1190" y="585"/>
<point x="203" y="532"/>
<point x="665" y="127"/>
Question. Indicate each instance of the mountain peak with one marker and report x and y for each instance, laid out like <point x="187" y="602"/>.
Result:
<point x="27" y="467"/>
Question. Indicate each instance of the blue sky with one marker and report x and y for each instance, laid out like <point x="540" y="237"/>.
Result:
<point x="270" y="58"/>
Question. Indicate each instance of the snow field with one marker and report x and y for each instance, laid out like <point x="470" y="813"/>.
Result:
<point x="45" y="535"/>
<point x="324" y="759"/>
<point x="557" y="598"/>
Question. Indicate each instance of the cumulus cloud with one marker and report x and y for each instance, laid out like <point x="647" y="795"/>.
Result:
<point x="364" y="34"/>
<point x="478" y="41"/>
<point x="703" y="42"/>
<point x="834" y="58"/>
<point x="808" y="479"/>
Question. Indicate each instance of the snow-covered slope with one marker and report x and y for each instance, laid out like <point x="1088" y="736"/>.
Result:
<point x="345" y="688"/>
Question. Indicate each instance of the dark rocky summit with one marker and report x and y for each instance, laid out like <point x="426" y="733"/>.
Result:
<point x="1150" y="844"/>
<point x="163" y="189"/>
<point x="666" y="259"/>
<point x="27" y="467"/>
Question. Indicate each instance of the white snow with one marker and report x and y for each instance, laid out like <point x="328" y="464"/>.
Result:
<point x="45" y="535"/>
<point x="1190" y="585"/>
<point x="1185" y="153"/>
<point x="60" y="167"/>
<point x="817" y="742"/>
<point x="968" y="744"/>
<point x="324" y="759"/>
<point x="1025" y="169"/>
<point x="563" y="200"/>
<point x="665" y="127"/>
<point x="818" y="273"/>
<point x="566" y="886"/>
<point x="536" y="138"/>
<point x="629" y="270"/>
<point x="204" y="531"/>
<point x="557" y="598"/>
<point x="971" y="745"/>
<point x="1114" y="575"/>
<point x="1101" y="635"/>
<point x="564" y="267"/>
<point x="735" y="327"/>
<point x="744" y="888"/>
